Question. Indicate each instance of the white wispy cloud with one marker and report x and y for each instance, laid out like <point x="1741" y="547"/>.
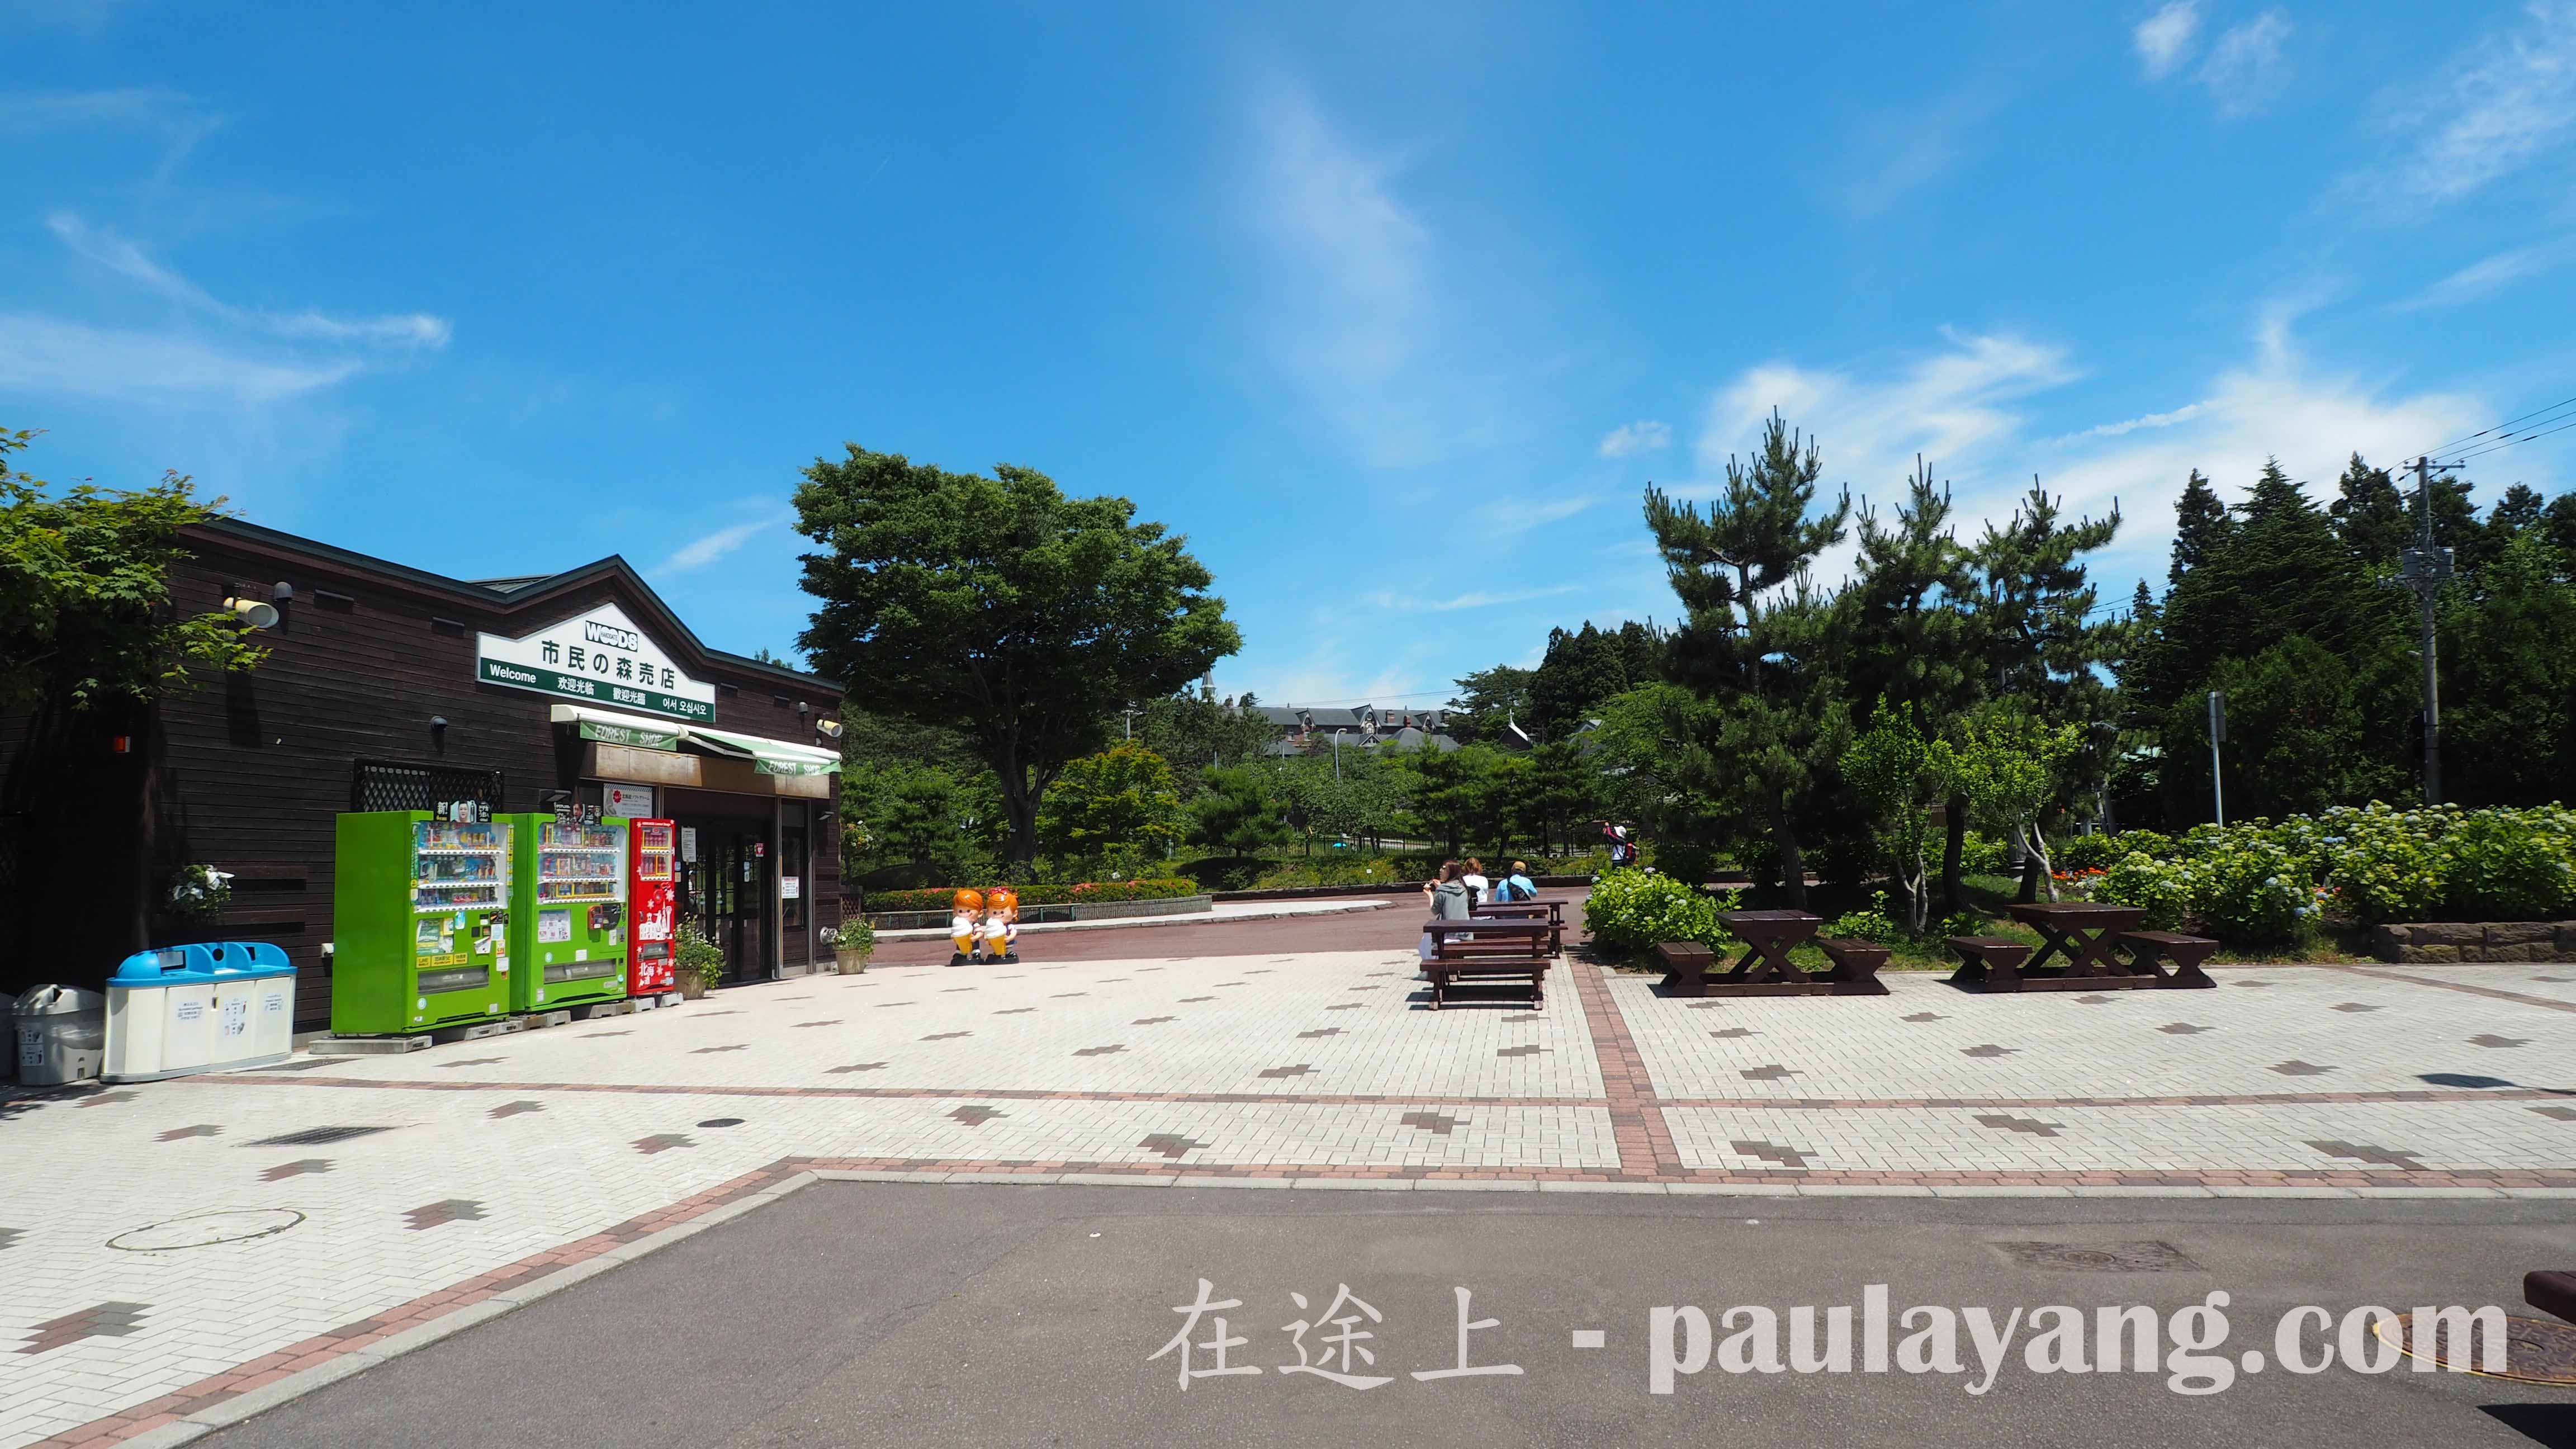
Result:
<point x="1962" y="409"/>
<point x="52" y="356"/>
<point x="1630" y="439"/>
<point x="2181" y="414"/>
<point x="176" y="120"/>
<point x="1897" y="152"/>
<point x="2492" y="274"/>
<point x="2504" y="102"/>
<point x="1473" y="599"/>
<point x="2243" y="69"/>
<point x="708" y="548"/>
<point x="123" y="257"/>
<point x="2164" y="38"/>
<point x="1354" y="318"/>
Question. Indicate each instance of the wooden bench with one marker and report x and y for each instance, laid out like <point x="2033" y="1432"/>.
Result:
<point x="1552" y="912"/>
<point x="2551" y="1292"/>
<point x="2185" y="952"/>
<point x="1690" y="969"/>
<point x="1856" y="963"/>
<point x="1488" y="951"/>
<point x="1686" y="967"/>
<point x="1988" y="963"/>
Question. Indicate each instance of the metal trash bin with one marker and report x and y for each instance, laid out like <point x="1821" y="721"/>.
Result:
<point x="198" y="1008"/>
<point x="61" y="1035"/>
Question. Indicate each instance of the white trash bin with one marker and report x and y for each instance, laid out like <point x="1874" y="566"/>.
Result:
<point x="198" y="1008"/>
<point x="61" y="1035"/>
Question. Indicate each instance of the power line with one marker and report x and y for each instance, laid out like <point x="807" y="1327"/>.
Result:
<point x="2500" y="427"/>
<point x="2500" y="446"/>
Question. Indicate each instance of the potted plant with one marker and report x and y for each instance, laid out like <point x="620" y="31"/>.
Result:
<point x="700" y="964"/>
<point x="852" y="943"/>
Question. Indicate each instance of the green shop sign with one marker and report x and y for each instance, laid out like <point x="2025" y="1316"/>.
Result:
<point x="599" y="657"/>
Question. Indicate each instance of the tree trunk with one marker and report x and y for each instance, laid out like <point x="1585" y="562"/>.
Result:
<point x="2033" y="867"/>
<point x="1954" y="855"/>
<point x="1021" y="805"/>
<point x="1793" y="862"/>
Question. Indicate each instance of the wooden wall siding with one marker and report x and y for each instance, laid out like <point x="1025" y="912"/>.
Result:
<point x="260" y="763"/>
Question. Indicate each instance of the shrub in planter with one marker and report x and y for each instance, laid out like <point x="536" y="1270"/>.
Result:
<point x="852" y="943"/>
<point x="699" y="965"/>
<point x="1631" y="910"/>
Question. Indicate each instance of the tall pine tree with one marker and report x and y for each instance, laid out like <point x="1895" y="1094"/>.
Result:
<point x="1757" y="648"/>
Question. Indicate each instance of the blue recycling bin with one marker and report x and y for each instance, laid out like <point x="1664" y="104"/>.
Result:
<point x="208" y="1006"/>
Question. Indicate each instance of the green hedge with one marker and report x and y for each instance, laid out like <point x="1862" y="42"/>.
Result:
<point x="2267" y="883"/>
<point x="880" y="902"/>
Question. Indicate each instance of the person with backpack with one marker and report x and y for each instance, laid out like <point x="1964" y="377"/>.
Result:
<point x="1447" y="896"/>
<point x="1517" y="885"/>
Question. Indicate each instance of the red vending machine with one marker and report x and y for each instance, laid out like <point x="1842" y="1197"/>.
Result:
<point x="653" y="908"/>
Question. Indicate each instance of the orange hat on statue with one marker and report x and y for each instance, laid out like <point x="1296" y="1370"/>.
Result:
<point x="969" y="901"/>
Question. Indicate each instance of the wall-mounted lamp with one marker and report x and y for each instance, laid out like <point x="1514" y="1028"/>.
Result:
<point x="552" y="798"/>
<point x="438" y="721"/>
<point x="253" y="613"/>
<point x="284" y="593"/>
<point x="802" y="709"/>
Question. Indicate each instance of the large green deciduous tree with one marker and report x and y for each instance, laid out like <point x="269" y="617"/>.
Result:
<point x="90" y="638"/>
<point x="85" y="611"/>
<point x="1001" y="608"/>
<point x="1900" y="774"/>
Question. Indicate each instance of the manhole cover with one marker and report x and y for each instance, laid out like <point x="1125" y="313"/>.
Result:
<point x="318" y="1136"/>
<point x="2536" y="1351"/>
<point x="202" y="1230"/>
<point x="2146" y="1257"/>
<point x="722" y="1122"/>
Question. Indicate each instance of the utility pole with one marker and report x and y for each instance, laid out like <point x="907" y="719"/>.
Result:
<point x="2217" y="736"/>
<point x="1130" y="713"/>
<point x="2425" y="569"/>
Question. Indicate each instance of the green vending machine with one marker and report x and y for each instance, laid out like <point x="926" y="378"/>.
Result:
<point x="421" y="921"/>
<point x="568" y="918"/>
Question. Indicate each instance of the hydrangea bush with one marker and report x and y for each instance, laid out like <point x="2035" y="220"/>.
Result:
<point x="2272" y="883"/>
<point x="1631" y="910"/>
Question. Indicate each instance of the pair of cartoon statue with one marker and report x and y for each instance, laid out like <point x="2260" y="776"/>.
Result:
<point x="985" y="926"/>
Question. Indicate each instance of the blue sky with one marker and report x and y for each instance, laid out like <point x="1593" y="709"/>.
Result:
<point x="1393" y="309"/>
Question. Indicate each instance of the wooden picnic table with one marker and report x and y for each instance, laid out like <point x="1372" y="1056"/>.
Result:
<point x="1552" y="912"/>
<point x="2081" y="934"/>
<point x="1488" y="951"/>
<point x="1766" y="969"/>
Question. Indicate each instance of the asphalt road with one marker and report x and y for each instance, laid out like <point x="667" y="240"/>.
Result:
<point x="881" y="1313"/>
<point x="1392" y="929"/>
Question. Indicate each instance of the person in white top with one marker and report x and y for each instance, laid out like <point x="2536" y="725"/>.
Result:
<point x="1478" y="888"/>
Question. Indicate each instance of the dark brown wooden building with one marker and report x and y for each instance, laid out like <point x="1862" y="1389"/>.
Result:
<point x="390" y="687"/>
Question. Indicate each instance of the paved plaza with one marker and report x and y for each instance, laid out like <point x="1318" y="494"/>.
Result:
<point x="181" y="1253"/>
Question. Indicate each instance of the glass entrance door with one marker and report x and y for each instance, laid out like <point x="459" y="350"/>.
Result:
<point x="726" y="892"/>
